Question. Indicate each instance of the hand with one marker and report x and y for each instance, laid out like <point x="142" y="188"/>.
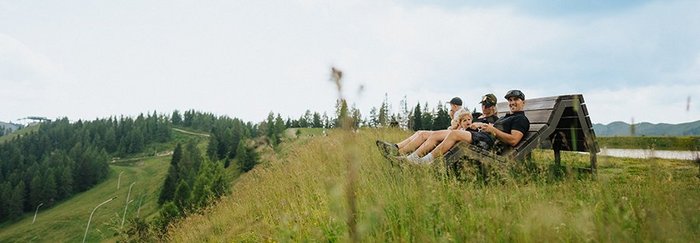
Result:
<point x="489" y="128"/>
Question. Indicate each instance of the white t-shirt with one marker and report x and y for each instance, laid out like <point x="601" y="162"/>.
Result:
<point x="455" y="118"/>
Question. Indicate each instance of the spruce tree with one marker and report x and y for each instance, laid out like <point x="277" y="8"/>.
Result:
<point x="167" y="192"/>
<point x="417" y="118"/>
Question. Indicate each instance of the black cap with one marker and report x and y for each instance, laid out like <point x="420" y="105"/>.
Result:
<point x="488" y="100"/>
<point x="515" y="93"/>
<point x="456" y="101"/>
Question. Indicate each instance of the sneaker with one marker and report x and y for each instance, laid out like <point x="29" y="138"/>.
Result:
<point x="387" y="149"/>
<point x="397" y="160"/>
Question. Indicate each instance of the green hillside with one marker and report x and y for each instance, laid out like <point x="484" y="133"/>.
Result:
<point x="302" y="196"/>
<point x="19" y="133"/>
<point x="66" y="221"/>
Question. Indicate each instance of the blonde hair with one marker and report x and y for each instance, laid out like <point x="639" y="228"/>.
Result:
<point x="463" y="115"/>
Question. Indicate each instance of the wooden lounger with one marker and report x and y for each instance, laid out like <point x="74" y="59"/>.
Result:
<point x="557" y="123"/>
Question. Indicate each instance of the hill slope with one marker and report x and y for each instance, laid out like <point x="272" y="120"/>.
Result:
<point x="66" y="221"/>
<point x="10" y="126"/>
<point x="648" y="129"/>
<point x="302" y="196"/>
<point x="19" y="133"/>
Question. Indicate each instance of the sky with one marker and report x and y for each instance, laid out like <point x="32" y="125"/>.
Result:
<point x="632" y="60"/>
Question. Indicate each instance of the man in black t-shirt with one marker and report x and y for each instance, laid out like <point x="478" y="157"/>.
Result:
<point x="488" y="111"/>
<point x="509" y="129"/>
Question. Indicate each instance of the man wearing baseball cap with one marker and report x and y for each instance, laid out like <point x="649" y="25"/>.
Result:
<point x="488" y="111"/>
<point x="509" y="130"/>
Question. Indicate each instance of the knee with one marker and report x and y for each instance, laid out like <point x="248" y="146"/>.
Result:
<point x="424" y="134"/>
<point x="452" y="136"/>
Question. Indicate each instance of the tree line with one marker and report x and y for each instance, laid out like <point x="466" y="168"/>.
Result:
<point x="421" y="117"/>
<point x="62" y="158"/>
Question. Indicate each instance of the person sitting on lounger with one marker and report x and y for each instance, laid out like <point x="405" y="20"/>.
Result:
<point x="488" y="115"/>
<point x="488" y="111"/>
<point x="509" y="130"/>
<point x="414" y="141"/>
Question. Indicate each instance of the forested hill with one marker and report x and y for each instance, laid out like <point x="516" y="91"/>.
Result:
<point x="648" y="129"/>
<point x="62" y="158"/>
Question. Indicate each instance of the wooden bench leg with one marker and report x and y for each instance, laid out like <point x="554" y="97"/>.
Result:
<point x="594" y="162"/>
<point x="557" y="157"/>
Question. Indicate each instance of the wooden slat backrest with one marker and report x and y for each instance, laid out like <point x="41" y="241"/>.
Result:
<point x="550" y="117"/>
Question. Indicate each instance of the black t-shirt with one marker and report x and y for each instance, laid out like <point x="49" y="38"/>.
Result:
<point x="489" y="119"/>
<point x="515" y="121"/>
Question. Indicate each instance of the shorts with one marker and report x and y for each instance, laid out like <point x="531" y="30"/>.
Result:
<point x="482" y="140"/>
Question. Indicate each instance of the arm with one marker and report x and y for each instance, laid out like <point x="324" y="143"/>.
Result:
<point x="477" y="125"/>
<point x="512" y="138"/>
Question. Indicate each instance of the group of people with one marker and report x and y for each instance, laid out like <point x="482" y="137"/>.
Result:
<point x="485" y="131"/>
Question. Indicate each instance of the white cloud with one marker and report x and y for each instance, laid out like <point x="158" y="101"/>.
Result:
<point x="245" y="59"/>
<point x="666" y="103"/>
<point x="19" y="64"/>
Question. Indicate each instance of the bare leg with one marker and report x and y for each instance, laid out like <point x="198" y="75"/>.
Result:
<point x="434" y="136"/>
<point x="452" y="138"/>
<point x="430" y="143"/>
<point x="417" y="140"/>
<point x="409" y="139"/>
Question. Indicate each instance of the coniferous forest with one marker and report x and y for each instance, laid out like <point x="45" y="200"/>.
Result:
<point x="62" y="158"/>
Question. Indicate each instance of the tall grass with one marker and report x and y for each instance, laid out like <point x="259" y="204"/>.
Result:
<point x="301" y="196"/>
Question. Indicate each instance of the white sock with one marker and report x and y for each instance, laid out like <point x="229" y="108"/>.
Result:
<point x="427" y="158"/>
<point x="413" y="158"/>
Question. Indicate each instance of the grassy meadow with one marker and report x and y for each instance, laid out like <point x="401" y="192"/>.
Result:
<point x="302" y="195"/>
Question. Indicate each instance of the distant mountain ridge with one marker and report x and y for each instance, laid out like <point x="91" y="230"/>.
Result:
<point x="619" y="128"/>
<point x="11" y="126"/>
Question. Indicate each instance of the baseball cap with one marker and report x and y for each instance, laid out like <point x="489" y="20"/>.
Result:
<point x="515" y="93"/>
<point x="455" y="101"/>
<point x="488" y="100"/>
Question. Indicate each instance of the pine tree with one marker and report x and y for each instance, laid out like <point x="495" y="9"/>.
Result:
<point x="383" y="116"/>
<point x="417" y="118"/>
<point x="279" y="128"/>
<point x="404" y="112"/>
<point x="201" y="191"/>
<point x="427" y="119"/>
<point x="356" y="116"/>
<point x="183" y="196"/>
<point x="15" y="201"/>
<point x="442" y="119"/>
<point x="308" y="118"/>
<point x="167" y="192"/>
<point x="176" y="118"/>
<point x="341" y="112"/>
<point x="373" y="117"/>
<point x="247" y="157"/>
<point x="317" y="120"/>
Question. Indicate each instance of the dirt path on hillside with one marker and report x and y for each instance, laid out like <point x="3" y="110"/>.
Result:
<point x="193" y="133"/>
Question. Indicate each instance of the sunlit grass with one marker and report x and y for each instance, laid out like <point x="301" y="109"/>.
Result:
<point x="300" y="196"/>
